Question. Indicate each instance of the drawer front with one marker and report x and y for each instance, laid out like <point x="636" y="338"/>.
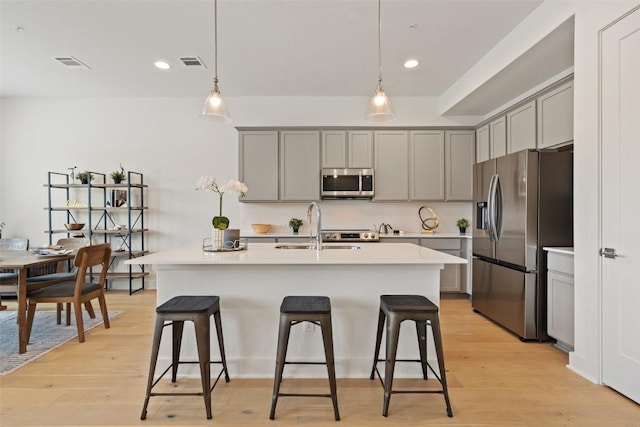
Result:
<point x="560" y="262"/>
<point x="446" y="244"/>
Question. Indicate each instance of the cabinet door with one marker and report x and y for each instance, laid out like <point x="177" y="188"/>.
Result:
<point x="426" y="165"/>
<point x="498" y="137"/>
<point x="259" y="165"/>
<point x="450" y="275"/>
<point x="459" y="156"/>
<point x="334" y="149"/>
<point x="360" y="145"/>
<point x="555" y="117"/>
<point x="521" y="128"/>
<point x="482" y="144"/>
<point x="560" y="307"/>
<point x="391" y="165"/>
<point x="299" y="165"/>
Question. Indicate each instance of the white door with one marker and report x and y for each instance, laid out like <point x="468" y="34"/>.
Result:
<point x="621" y="205"/>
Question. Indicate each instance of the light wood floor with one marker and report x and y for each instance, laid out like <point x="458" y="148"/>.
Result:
<point x="494" y="380"/>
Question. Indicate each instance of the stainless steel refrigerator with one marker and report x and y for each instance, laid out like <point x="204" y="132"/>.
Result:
<point x="522" y="202"/>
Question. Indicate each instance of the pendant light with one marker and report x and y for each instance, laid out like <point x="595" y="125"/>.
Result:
<point x="379" y="109"/>
<point x="214" y="108"/>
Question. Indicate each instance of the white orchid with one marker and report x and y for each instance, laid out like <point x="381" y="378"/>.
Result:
<point x="208" y="184"/>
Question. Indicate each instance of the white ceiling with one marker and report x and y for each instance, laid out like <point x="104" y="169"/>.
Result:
<point x="266" y="47"/>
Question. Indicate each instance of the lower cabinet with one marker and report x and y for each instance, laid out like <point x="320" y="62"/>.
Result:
<point x="451" y="275"/>
<point x="560" y="298"/>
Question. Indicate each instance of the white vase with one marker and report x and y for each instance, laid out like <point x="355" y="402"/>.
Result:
<point x="217" y="238"/>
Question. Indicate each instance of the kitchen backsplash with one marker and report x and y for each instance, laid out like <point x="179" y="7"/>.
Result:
<point x="351" y="214"/>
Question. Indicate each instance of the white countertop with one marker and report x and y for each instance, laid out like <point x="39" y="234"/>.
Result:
<point x="559" y="250"/>
<point x="406" y="235"/>
<point x="266" y="253"/>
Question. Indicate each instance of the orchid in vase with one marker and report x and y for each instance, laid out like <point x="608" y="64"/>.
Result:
<point x="207" y="184"/>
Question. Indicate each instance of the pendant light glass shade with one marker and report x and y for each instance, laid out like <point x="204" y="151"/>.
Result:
<point x="379" y="109"/>
<point x="214" y="108"/>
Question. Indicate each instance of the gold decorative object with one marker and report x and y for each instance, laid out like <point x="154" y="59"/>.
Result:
<point x="430" y="223"/>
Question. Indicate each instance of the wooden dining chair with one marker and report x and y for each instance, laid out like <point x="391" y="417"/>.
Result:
<point x="9" y="278"/>
<point x="58" y="272"/>
<point x="79" y="291"/>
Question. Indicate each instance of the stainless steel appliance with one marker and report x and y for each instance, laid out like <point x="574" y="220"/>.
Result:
<point x="522" y="202"/>
<point x="346" y="184"/>
<point x="350" y="236"/>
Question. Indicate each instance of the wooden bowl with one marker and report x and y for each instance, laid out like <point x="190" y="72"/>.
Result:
<point x="75" y="226"/>
<point x="261" y="228"/>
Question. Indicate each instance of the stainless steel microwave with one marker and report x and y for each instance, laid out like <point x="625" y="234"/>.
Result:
<point x="346" y="184"/>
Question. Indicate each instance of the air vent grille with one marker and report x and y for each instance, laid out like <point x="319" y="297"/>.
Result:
<point x="71" y="62"/>
<point x="192" y="61"/>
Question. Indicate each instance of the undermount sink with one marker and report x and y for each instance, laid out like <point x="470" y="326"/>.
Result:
<point x="294" y="246"/>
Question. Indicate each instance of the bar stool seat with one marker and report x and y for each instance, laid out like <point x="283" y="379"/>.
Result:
<point x="394" y="309"/>
<point x="298" y="309"/>
<point x="197" y="309"/>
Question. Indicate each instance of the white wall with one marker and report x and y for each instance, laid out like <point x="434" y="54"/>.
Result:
<point x="590" y="18"/>
<point x="165" y="139"/>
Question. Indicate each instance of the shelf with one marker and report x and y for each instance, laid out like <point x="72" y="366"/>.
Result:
<point x="127" y="254"/>
<point x="97" y="210"/>
<point x="100" y="186"/>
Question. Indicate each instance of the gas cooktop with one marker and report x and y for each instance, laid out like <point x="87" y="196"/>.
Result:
<point x="350" y="236"/>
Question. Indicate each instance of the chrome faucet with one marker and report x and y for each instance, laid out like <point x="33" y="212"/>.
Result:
<point x="318" y="223"/>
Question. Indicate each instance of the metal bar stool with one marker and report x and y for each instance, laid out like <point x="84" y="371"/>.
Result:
<point x="197" y="309"/>
<point x="298" y="309"/>
<point x="395" y="309"/>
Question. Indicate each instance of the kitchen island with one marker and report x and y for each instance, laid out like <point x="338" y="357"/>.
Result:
<point x="251" y="284"/>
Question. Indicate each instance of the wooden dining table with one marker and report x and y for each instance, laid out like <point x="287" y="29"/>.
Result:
<point x="22" y="261"/>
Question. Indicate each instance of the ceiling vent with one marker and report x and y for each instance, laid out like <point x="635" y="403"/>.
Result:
<point x="71" y="62"/>
<point x="192" y="61"/>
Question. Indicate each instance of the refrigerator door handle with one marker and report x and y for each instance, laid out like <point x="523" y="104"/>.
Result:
<point x="498" y="206"/>
<point x="491" y="208"/>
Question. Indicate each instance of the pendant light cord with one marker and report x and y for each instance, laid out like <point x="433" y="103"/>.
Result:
<point x="379" y="45"/>
<point x="215" y="42"/>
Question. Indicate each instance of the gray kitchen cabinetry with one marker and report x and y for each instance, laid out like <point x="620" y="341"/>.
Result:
<point x="347" y="149"/>
<point x="521" y="128"/>
<point x="426" y="165"/>
<point x="280" y="165"/>
<point x="299" y="165"/>
<point x="555" y="116"/>
<point x="560" y="298"/>
<point x="498" y="137"/>
<point x="258" y="167"/>
<point x="451" y="275"/>
<point x="482" y="144"/>
<point x="391" y="164"/>
<point x="459" y="159"/>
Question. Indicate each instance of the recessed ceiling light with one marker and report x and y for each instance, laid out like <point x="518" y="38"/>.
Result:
<point x="411" y="63"/>
<point x="162" y="65"/>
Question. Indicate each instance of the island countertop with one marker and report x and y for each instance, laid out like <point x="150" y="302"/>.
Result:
<point x="267" y="253"/>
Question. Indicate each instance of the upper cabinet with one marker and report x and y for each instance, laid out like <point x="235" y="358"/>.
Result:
<point x="347" y="149"/>
<point x="299" y="165"/>
<point x="498" y="137"/>
<point x="555" y="116"/>
<point x="391" y="164"/>
<point x="521" y="128"/>
<point x="459" y="156"/>
<point x="544" y="120"/>
<point x="258" y="165"/>
<point x="426" y="165"/>
<point x="482" y="144"/>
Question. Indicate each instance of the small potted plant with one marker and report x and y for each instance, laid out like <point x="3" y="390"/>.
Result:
<point x="462" y="224"/>
<point x="1" y="228"/>
<point x="295" y="224"/>
<point x="84" y="177"/>
<point x="118" y="177"/>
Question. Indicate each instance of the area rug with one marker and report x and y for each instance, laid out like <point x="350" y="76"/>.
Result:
<point x="45" y="336"/>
